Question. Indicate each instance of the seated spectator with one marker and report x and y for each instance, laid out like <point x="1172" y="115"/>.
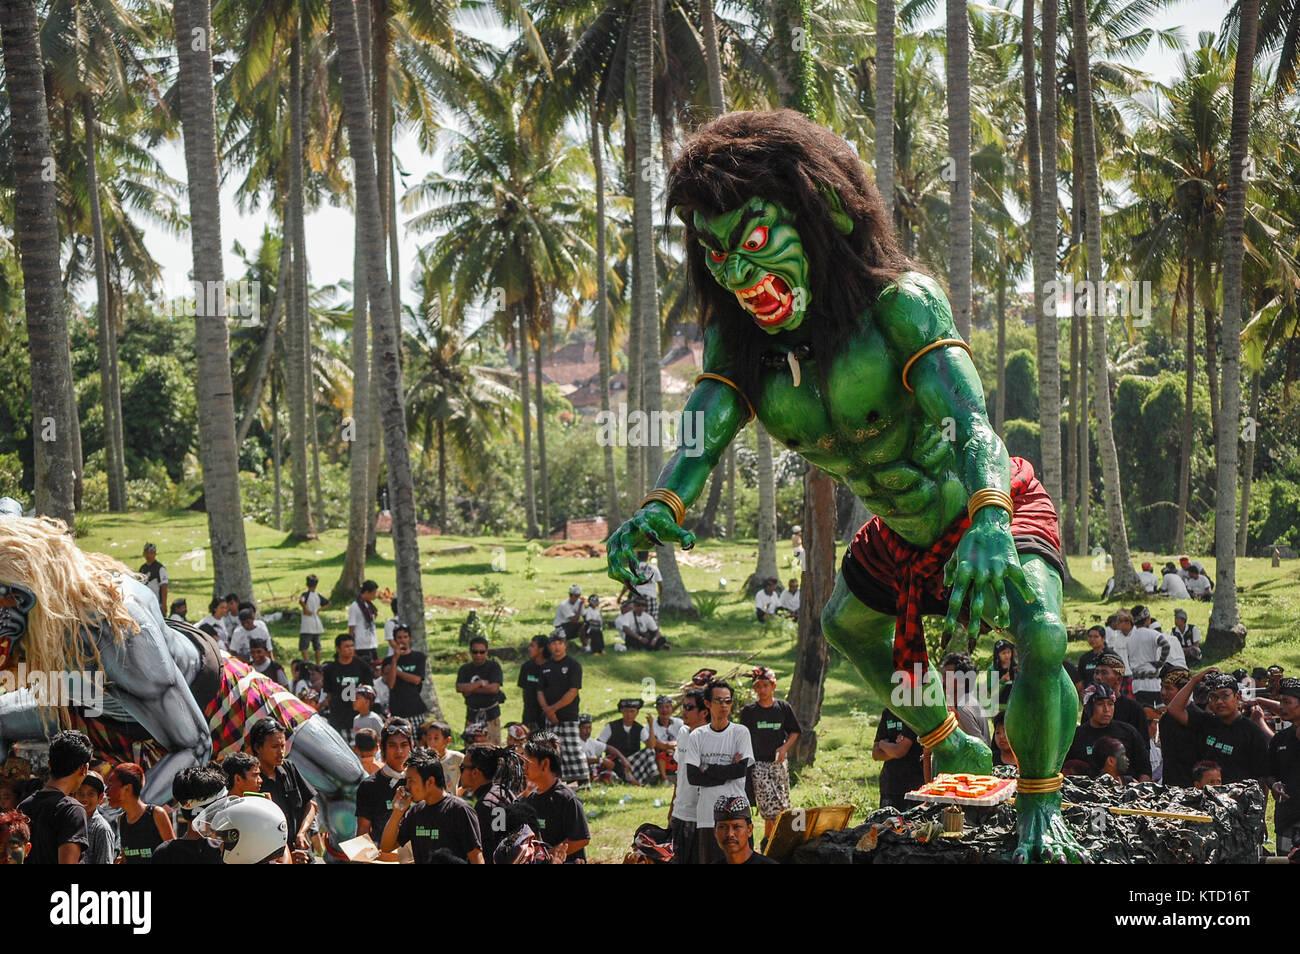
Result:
<point x="789" y="601"/>
<point x="15" y="838"/>
<point x="665" y="729"/>
<point x="249" y="628"/>
<point x="1187" y="636"/>
<point x="1172" y="585"/>
<point x="1206" y="774"/>
<point x="560" y="816"/>
<point x="624" y="739"/>
<point x="103" y="836"/>
<point x="1198" y="584"/>
<point x="897" y="747"/>
<point x="141" y="827"/>
<point x="733" y="828"/>
<point x="651" y="589"/>
<point x="1002" y="752"/>
<point x="1099" y="722"/>
<point x="194" y="789"/>
<point x="363" y="717"/>
<point x="260" y="657"/>
<point x="283" y="782"/>
<point x="1147" y="578"/>
<point x="493" y="777"/>
<point x="365" y="743"/>
<point x="375" y="794"/>
<point x="1110" y="757"/>
<point x="437" y="736"/>
<point x="767" y="600"/>
<point x="429" y="818"/>
<point x="214" y="623"/>
<point x="594" y="638"/>
<point x="243" y="774"/>
<point x="1142" y="617"/>
<point x="568" y="615"/>
<point x="58" y="831"/>
<point x="598" y="761"/>
<point x="179" y="609"/>
<point x="1110" y="670"/>
<point x="1221" y="733"/>
<point x="1284" y="766"/>
<point x="640" y="630"/>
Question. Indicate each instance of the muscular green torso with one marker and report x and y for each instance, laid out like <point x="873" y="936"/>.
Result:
<point x="866" y="429"/>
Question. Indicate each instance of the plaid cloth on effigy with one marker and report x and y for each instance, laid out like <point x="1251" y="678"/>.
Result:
<point x="244" y="697"/>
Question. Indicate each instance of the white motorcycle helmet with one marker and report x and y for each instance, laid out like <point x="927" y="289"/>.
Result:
<point x="251" y="828"/>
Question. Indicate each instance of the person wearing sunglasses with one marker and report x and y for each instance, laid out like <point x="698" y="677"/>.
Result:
<point x="479" y="681"/>
<point x="1221" y="732"/>
<point x="686" y="796"/>
<point x="721" y="754"/>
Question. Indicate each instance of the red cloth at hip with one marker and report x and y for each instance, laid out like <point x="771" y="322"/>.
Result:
<point x="914" y="576"/>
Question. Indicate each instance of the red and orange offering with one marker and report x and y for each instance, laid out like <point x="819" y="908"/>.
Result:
<point x="960" y="788"/>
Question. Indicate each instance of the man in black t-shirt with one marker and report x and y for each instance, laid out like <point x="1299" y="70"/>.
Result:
<point x="479" y="681"/>
<point x="1177" y="742"/>
<point x="1088" y="661"/>
<point x="1284" y="767"/>
<point x="561" y="819"/>
<point x="440" y="822"/>
<point x="342" y="676"/>
<point x="404" y="672"/>
<point x="193" y="789"/>
<point x="559" y="697"/>
<point x="1110" y="670"/>
<point x="773" y="731"/>
<point x="733" y="828"/>
<point x="282" y="781"/>
<point x="1222" y="733"/>
<point x="530" y="679"/>
<point x="897" y="747"/>
<point x="56" y="819"/>
<point x="375" y="794"/>
<point x="1099" y="722"/>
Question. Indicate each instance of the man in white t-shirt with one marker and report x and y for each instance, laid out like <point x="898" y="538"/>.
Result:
<point x="1187" y="635"/>
<point x="594" y="624"/>
<point x="766" y="602"/>
<point x="568" y="615"/>
<point x="249" y="629"/>
<point x="1147" y="650"/>
<point x="311" y="627"/>
<point x="639" y="629"/>
<point x="652" y="588"/>
<point x="719" y="757"/>
<point x="681" y="817"/>
<point x="592" y="747"/>
<point x="1198" y="584"/>
<point x="1147" y="578"/>
<point x="789" y="600"/>
<point x="361" y="622"/>
<point x="214" y="624"/>
<point x="231" y="620"/>
<point x="1172" y="585"/>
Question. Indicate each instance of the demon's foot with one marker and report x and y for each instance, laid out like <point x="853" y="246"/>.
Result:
<point x="1043" y="834"/>
<point x="961" y="753"/>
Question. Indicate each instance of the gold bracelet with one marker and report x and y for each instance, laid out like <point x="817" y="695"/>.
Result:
<point x="674" y="502"/>
<point x="933" y="738"/>
<point x="941" y="343"/>
<point x="989" y="496"/>
<point x="1039" y="786"/>
<point x="710" y="376"/>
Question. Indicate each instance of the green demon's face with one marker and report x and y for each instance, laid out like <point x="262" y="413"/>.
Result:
<point x="755" y="253"/>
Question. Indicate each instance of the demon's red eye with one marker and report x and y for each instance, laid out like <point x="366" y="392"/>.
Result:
<point x="718" y="257"/>
<point x="757" y="239"/>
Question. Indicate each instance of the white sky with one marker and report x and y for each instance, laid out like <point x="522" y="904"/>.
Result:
<point x="330" y="230"/>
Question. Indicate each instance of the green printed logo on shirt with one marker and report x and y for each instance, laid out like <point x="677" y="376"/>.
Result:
<point x="426" y="832"/>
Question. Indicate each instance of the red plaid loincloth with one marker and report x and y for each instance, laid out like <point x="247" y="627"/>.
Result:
<point x="244" y="697"/>
<point x="881" y="566"/>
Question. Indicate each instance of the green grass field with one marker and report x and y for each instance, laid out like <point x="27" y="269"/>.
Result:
<point x="844" y="772"/>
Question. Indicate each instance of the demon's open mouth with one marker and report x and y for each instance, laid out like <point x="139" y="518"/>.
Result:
<point x="770" y="301"/>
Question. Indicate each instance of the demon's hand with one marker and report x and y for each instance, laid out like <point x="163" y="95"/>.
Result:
<point x="651" y="526"/>
<point x="984" y="563"/>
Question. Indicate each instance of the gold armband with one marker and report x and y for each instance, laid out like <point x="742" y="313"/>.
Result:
<point x="931" y="739"/>
<point x="710" y="376"/>
<point x="674" y="502"/>
<point x="989" y="497"/>
<point x="941" y="343"/>
<point x="1039" y="786"/>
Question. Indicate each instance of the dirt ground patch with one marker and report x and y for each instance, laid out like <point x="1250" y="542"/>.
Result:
<point x="575" y="548"/>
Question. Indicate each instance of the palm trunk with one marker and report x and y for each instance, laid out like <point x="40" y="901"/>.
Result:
<point x="295" y="360"/>
<point x="1248" y="468"/>
<point x="443" y="520"/>
<point x="1084" y="449"/>
<point x="731" y="493"/>
<point x="884" y="115"/>
<point x="112" y="400"/>
<point x="267" y="351"/>
<point x="37" y="230"/>
<point x="675" y="601"/>
<point x="637" y="478"/>
<point x="1223" y="617"/>
<point x="276" y="516"/>
<point x="410" y="588"/>
<point x="1071" y="488"/>
<point x="1185" y="442"/>
<point x="712" y="59"/>
<point x="959" y="245"/>
<point x="530" y="501"/>
<point x="545" y="479"/>
<point x="217" y="450"/>
<point x="374" y="437"/>
<point x="812" y="656"/>
<point x="612" y="508"/>
<point x="1125" y="577"/>
<point x="1000" y="403"/>
<point x="707" y="525"/>
<point x="766" y="565"/>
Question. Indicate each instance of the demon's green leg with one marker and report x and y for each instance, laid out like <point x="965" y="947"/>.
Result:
<point x="1041" y="713"/>
<point x="866" y="637"/>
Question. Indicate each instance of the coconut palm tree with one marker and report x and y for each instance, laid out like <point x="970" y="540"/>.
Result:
<point x="957" y="36"/>
<point x="37" y="231"/>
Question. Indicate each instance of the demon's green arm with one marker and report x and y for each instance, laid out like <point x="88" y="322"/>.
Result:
<point x="721" y="412"/>
<point x="914" y="313"/>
